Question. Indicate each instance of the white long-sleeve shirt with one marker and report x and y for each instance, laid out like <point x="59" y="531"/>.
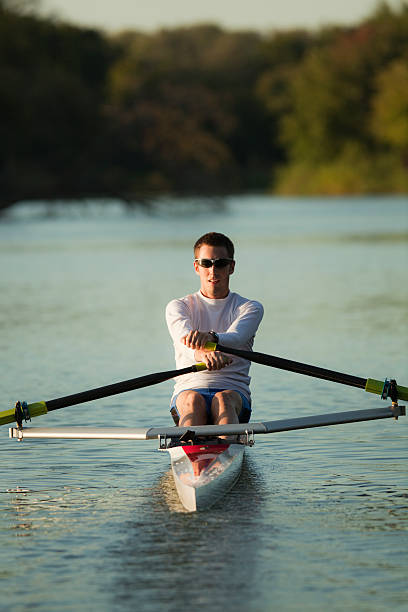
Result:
<point x="235" y="319"/>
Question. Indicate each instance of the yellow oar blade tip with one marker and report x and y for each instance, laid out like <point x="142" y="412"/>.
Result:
<point x="37" y="409"/>
<point x="7" y="416"/>
<point x="377" y="386"/>
<point x="33" y="410"/>
<point x="374" y="386"/>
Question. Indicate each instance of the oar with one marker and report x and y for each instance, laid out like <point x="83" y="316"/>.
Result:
<point x="37" y="408"/>
<point x="387" y="389"/>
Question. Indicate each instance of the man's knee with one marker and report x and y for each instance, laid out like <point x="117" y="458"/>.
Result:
<point x="226" y="403"/>
<point x="190" y="399"/>
<point x="191" y="408"/>
<point x="228" y="397"/>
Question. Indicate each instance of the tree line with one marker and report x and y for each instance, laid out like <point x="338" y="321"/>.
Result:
<point x="201" y="109"/>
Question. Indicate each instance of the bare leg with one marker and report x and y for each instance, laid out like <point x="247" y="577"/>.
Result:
<point x="225" y="407"/>
<point x="192" y="409"/>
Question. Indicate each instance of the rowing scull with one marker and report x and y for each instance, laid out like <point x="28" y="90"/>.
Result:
<point x="207" y="467"/>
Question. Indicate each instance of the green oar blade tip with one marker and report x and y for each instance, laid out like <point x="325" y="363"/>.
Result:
<point x="35" y="409"/>
<point x="377" y="387"/>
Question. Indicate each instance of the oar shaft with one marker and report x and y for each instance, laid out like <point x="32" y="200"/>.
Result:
<point x="115" y="388"/>
<point x="38" y="408"/>
<point x="369" y="384"/>
<point x="295" y="366"/>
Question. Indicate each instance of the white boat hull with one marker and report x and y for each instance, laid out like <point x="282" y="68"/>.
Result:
<point x="203" y="473"/>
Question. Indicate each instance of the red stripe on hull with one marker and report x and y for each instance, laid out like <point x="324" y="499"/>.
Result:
<point x="201" y="455"/>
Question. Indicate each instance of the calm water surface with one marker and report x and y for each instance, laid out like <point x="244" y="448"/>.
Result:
<point x="319" y="518"/>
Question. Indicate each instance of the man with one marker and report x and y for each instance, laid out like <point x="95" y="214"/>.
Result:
<point x="220" y="394"/>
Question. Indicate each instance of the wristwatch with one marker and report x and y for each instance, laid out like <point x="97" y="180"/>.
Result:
<point x="214" y="335"/>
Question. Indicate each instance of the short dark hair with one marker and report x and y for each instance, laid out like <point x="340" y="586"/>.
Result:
<point x="215" y="239"/>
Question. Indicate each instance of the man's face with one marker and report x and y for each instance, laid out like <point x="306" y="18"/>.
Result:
<point x="214" y="281"/>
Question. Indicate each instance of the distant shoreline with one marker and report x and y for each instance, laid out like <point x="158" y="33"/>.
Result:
<point x="202" y="110"/>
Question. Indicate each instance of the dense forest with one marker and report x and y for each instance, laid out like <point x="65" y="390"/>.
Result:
<point x="201" y="109"/>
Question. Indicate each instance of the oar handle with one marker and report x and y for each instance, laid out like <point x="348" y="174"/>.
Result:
<point x="38" y="408"/>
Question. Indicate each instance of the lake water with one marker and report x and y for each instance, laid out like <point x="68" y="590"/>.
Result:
<point x="318" y="519"/>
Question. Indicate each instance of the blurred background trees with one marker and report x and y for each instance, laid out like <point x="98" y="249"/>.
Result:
<point x="201" y="109"/>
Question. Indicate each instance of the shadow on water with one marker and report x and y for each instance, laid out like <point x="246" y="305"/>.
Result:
<point x="179" y="559"/>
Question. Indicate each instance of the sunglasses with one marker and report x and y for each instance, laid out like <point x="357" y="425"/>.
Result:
<point x="217" y="263"/>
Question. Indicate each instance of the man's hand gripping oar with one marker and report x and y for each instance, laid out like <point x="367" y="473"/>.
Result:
<point x="199" y="341"/>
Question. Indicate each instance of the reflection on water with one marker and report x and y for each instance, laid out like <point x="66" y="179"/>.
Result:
<point x="184" y="559"/>
<point x="244" y="488"/>
<point x="111" y="209"/>
<point x="290" y="518"/>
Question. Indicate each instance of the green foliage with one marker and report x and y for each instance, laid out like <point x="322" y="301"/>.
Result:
<point x="390" y="106"/>
<point x="52" y="81"/>
<point x="186" y="95"/>
<point x="201" y="109"/>
<point x="347" y="99"/>
<point x="351" y="172"/>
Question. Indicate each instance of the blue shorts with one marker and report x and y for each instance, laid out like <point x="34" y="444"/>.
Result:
<point x="208" y="394"/>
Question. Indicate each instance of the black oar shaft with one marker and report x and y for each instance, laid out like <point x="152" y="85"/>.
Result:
<point x="24" y="411"/>
<point x="295" y="366"/>
<point x="115" y="388"/>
